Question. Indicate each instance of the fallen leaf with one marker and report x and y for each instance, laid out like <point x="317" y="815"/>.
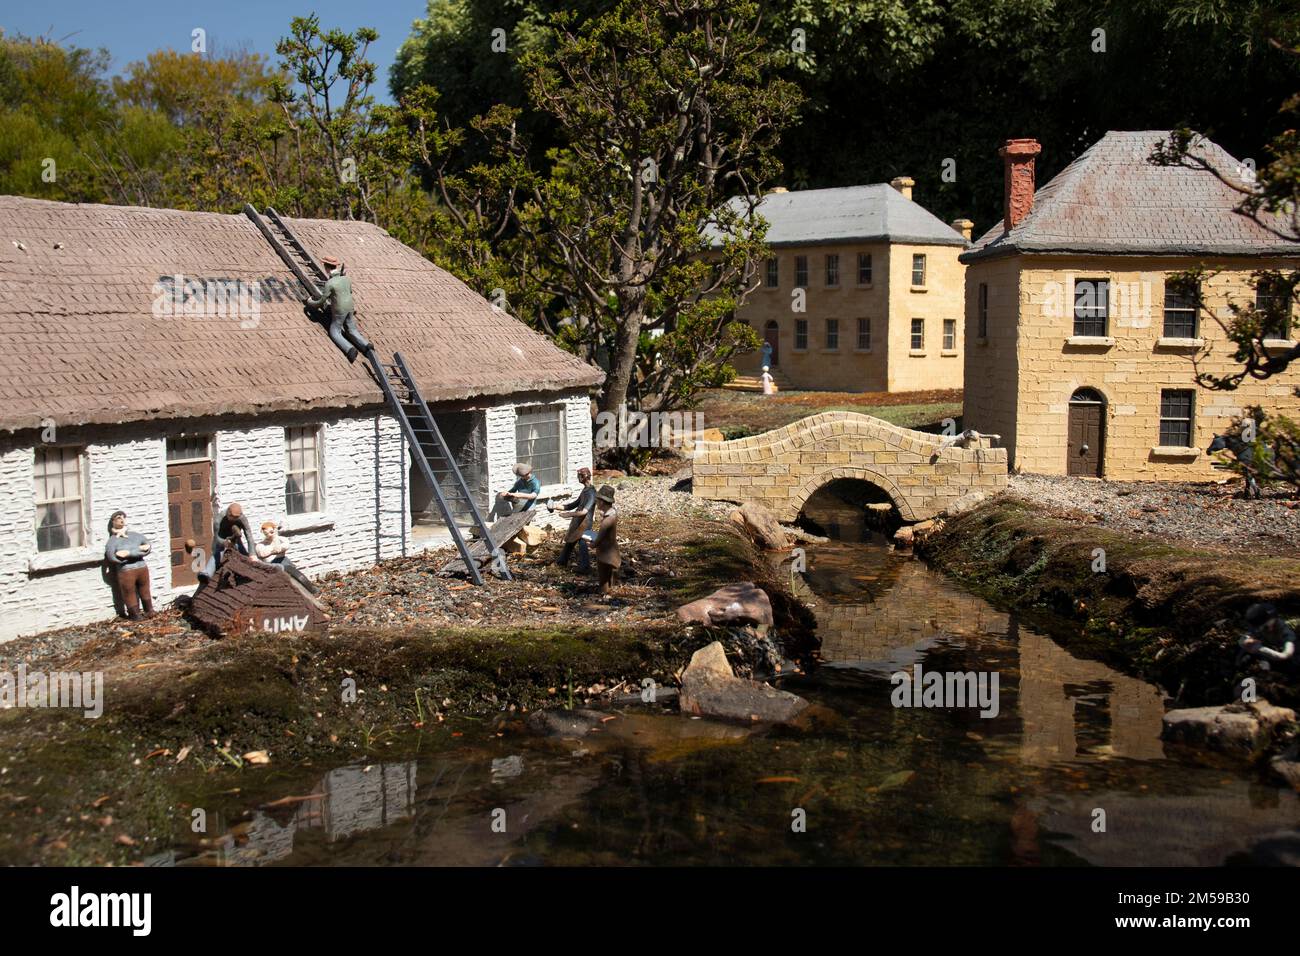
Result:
<point x="777" y="780"/>
<point x="257" y="757"/>
<point x="896" y="779"/>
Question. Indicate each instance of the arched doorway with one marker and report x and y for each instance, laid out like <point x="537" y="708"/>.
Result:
<point x="1086" y="435"/>
<point x="772" y="336"/>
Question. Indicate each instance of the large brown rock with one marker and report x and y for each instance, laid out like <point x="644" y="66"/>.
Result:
<point x="737" y="605"/>
<point x="763" y="528"/>
<point x="1234" y="730"/>
<point x="711" y="689"/>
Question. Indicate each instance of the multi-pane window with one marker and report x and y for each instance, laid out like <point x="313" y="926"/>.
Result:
<point x="801" y="272"/>
<point x="1091" y="306"/>
<point x="1176" y="406"/>
<point x="801" y="334"/>
<point x="832" y="333"/>
<point x="1182" y="298"/>
<point x="303" y="493"/>
<point x="773" y="272"/>
<point x="949" y="334"/>
<point x="982" y="311"/>
<point x="189" y="448"/>
<point x="864" y="268"/>
<point x="60" y="498"/>
<point x="918" y="269"/>
<point x="918" y="334"/>
<point x="832" y="270"/>
<point x="1273" y="300"/>
<point x="864" y="334"/>
<point x="539" y="441"/>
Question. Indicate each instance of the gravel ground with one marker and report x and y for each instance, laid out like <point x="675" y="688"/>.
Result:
<point x="1201" y="513"/>
<point x="403" y="592"/>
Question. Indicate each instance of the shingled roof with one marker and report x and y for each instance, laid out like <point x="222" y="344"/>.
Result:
<point x="1111" y="200"/>
<point x="874" y="213"/>
<point x="82" y="343"/>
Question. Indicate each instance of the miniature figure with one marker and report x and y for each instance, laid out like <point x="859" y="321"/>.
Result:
<point x="337" y="293"/>
<point x="272" y="550"/>
<point x="1269" y="638"/>
<point x="769" y="385"/>
<point x="606" y="544"/>
<point x="1256" y="460"/>
<point x="526" y="489"/>
<point x="125" y="554"/>
<point x="766" y="361"/>
<point x="582" y="511"/>
<point x="230" y="528"/>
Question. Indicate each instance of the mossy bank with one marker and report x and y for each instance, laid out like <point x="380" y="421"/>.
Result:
<point x="76" y="790"/>
<point x="1166" y="612"/>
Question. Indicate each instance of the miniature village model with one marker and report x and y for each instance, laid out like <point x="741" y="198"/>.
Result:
<point x="671" y="434"/>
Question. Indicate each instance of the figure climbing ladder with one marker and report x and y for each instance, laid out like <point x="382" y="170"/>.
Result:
<point x="329" y="286"/>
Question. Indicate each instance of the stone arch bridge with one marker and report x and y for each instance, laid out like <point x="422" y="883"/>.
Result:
<point x="781" y="469"/>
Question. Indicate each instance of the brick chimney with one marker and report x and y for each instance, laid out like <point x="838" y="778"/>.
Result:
<point x="964" y="226"/>
<point x="1018" y="164"/>
<point x="904" y="185"/>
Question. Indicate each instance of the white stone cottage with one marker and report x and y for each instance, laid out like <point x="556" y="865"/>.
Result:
<point x="153" y="360"/>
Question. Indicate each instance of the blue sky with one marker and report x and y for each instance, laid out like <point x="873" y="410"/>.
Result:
<point x="131" y="29"/>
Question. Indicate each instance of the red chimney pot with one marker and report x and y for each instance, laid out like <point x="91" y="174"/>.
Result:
<point x="1018" y="164"/>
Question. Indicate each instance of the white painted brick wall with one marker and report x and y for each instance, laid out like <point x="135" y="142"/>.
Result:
<point x="128" y="471"/>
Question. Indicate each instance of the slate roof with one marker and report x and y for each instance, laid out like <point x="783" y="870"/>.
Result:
<point x="1110" y="200"/>
<point x="874" y="213"/>
<point x="82" y="345"/>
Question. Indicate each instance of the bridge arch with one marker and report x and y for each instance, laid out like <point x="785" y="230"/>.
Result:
<point x="816" y="482"/>
<point x="781" y="469"/>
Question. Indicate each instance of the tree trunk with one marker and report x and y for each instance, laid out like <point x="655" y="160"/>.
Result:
<point x="623" y="361"/>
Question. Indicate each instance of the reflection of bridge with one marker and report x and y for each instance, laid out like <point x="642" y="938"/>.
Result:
<point x="921" y="611"/>
<point x="781" y="469"/>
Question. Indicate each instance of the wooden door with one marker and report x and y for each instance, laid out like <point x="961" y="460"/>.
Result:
<point x="772" y="335"/>
<point x="1085" y="438"/>
<point x="189" y="515"/>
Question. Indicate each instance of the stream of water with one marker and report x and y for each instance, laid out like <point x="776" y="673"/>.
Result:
<point x="1070" y="771"/>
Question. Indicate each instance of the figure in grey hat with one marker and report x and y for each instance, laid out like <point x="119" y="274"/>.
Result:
<point x="522" y="495"/>
<point x="337" y="294"/>
<point x="608" y="559"/>
<point x="125" y="554"/>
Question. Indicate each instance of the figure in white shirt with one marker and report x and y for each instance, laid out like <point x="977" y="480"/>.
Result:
<point x="769" y="386"/>
<point x="274" y="550"/>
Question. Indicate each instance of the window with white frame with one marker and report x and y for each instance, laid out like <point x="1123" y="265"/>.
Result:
<point x="949" y="335"/>
<point x="918" y="269"/>
<point x="1182" y="301"/>
<point x="800" y="335"/>
<point x="864" y="335"/>
<point x="60" y="486"/>
<point x="1091" y="307"/>
<point x="539" y="441"/>
<point x="801" y="272"/>
<point x="864" y="268"/>
<point x="303" y="466"/>
<point x="918" y="334"/>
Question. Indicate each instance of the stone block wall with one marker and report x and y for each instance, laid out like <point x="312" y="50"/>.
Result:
<point x="781" y="469"/>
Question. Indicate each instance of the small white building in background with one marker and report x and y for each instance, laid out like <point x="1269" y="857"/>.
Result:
<point x="155" y="359"/>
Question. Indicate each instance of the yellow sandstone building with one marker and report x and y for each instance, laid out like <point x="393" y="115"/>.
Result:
<point x="862" y="293"/>
<point x="1083" y="346"/>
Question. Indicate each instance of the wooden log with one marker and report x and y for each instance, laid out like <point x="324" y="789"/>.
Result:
<point x="504" y="530"/>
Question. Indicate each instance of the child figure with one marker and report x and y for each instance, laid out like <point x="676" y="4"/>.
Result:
<point x="274" y="550"/>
